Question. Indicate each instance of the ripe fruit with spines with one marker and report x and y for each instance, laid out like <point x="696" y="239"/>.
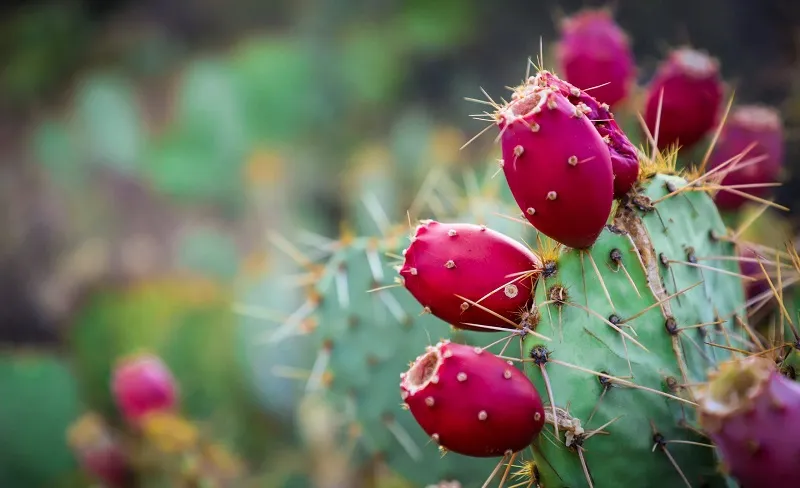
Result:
<point x="557" y="165"/>
<point x="447" y="263"/>
<point x="472" y="402"/>
<point x="759" y="129"/>
<point x="751" y="412"/>
<point x="594" y="52"/>
<point x="688" y="89"/>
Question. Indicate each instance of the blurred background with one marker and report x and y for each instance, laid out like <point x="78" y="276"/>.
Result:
<point x="157" y="156"/>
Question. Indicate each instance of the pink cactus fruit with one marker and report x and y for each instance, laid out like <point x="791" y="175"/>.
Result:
<point x="472" y="402"/>
<point x="557" y="165"/>
<point x="447" y="260"/>
<point x="99" y="452"/>
<point x="692" y="95"/>
<point x="624" y="157"/>
<point x="594" y="52"/>
<point x="752" y="414"/>
<point x="748" y="125"/>
<point x="141" y="385"/>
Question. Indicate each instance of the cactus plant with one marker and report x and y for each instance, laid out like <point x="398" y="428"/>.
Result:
<point x="624" y="316"/>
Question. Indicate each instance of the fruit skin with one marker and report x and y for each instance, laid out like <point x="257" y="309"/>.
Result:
<point x="624" y="157"/>
<point x="595" y="52"/>
<point x="475" y="262"/>
<point x="692" y="88"/>
<point x="748" y="124"/>
<point x="752" y="414"/>
<point x="556" y="164"/>
<point x="472" y="402"/>
<point x="143" y="384"/>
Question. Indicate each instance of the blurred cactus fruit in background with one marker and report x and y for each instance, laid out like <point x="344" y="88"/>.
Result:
<point x="750" y="411"/>
<point x="556" y="163"/>
<point x="758" y="130"/>
<point x="143" y="384"/>
<point x="594" y="53"/>
<point x="470" y="276"/>
<point x="472" y="402"/>
<point x="687" y="90"/>
<point x="99" y="451"/>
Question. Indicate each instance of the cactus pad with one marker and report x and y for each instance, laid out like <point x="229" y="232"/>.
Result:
<point x="624" y="347"/>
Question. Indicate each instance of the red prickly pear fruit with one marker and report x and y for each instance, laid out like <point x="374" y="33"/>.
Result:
<point x="746" y="125"/>
<point x="472" y="402"/>
<point x="692" y="95"/>
<point x="98" y="451"/>
<point x="474" y="262"/>
<point x="142" y="385"/>
<point x="595" y="53"/>
<point x="624" y="157"/>
<point x="557" y="165"/>
<point x="751" y="413"/>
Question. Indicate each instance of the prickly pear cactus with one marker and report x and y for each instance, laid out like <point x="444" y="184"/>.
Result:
<point x="631" y="321"/>
<point x="637" y="296"/>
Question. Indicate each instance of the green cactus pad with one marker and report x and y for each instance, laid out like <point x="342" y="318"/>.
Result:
<point x="40" y="400"/>
<point x="642" y="260"/>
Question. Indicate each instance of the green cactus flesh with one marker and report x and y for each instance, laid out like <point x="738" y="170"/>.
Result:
<point x="365" y="340"/>
<point x="626" y="435"/>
